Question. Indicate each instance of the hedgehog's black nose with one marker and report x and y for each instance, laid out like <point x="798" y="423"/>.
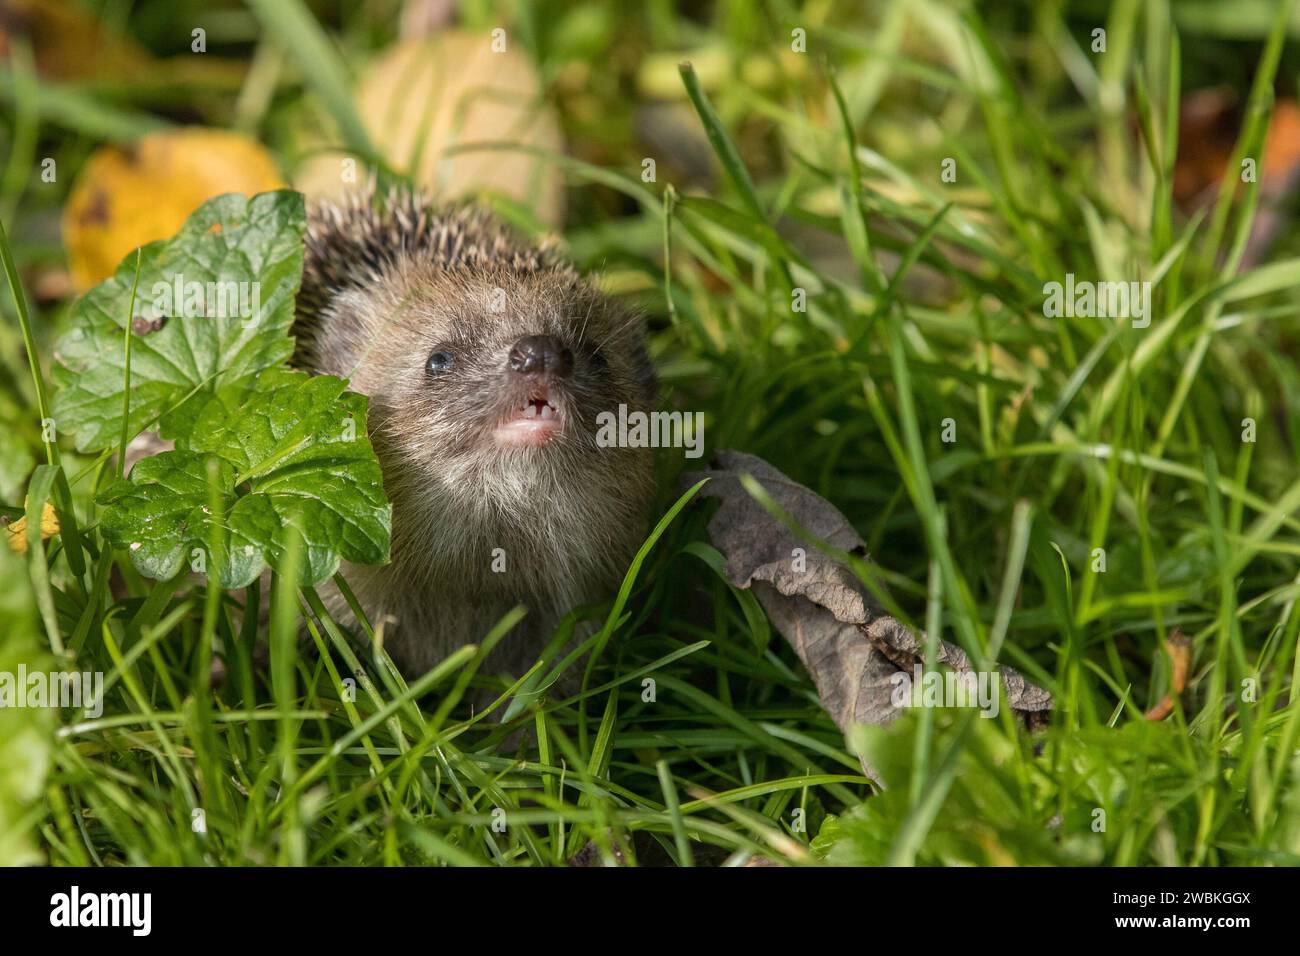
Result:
<point x="534" y="354"/>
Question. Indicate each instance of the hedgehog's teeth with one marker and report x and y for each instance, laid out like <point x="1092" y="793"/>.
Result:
<point x="548" y="411"/>
<point x="530" y="410"/>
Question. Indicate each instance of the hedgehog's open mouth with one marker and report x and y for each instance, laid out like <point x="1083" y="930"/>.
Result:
<point x="534" y="423"/>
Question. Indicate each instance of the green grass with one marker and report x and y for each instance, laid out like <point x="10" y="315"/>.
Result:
<point x="924" y="304"/>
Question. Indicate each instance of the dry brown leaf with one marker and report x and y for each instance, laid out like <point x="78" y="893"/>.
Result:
<point x="1179" y="648"/>
<point x="1209" y="123"/>
<point x="126" y="197"/>
<point x="68" y="42"/>
<point x="17" y="530"/>
<point x="422" y="96"/>
<point x="850" y="647"/>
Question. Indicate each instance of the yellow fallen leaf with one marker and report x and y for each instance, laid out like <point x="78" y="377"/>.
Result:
<point x="18" y="529"/>
<point x="126" y="197"/>
<point x="422" y="96"/>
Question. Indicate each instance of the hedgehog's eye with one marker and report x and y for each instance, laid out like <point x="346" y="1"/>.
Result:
<point x="438" y="362"/>
<point x="598" y="361"/>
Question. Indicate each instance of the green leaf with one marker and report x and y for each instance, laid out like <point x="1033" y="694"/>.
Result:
<point x="256" y="243"/>
<point x="285" y="450"/>
<point x="16" y="462"/>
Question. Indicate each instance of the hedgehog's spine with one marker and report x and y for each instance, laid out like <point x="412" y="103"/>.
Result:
<point x="362" y="239"/>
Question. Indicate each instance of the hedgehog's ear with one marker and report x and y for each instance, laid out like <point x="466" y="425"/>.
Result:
<point x="334" y="340"/>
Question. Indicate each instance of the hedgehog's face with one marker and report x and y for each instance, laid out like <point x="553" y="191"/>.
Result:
<point x="500" y="371"/>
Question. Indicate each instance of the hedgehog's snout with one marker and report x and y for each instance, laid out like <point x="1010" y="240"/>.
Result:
<point x="537" y="355"/>
<point x="536" y="364"/>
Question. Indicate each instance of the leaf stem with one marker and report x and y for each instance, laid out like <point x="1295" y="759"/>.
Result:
<point x="126" y="374"/>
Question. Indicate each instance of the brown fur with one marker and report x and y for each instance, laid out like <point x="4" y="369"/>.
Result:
<point x="385" y="285"/>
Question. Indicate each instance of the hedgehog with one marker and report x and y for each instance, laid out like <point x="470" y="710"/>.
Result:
<point x="486" y="360"/>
